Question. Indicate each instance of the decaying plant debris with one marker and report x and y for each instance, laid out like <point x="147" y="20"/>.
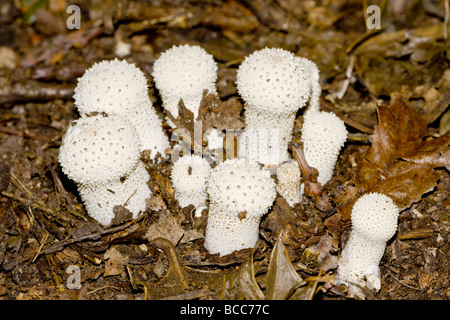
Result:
<point x="391" y="87"/>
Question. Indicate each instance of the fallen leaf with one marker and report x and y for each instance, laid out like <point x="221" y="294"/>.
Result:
<point x="248" y="287"/>
<point x="399" y="163"/>
<point x="282" y="279"/>
<point x="433" y="152"/>
<point x="398" y="133"/>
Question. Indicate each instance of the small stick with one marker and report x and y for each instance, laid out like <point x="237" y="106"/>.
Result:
<point x="44" y="238"/>
<point x="309" y="174"/>
<point x="169" y="249"/>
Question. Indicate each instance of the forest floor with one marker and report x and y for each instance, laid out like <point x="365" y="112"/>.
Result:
<point x="391" y="86"/>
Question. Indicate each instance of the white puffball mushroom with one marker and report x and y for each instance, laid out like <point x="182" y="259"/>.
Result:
<point x="374" y="221"/>
<point x="323" y="135"/>
<point x="275" y="84"/>
<point x="119" y="87"/>
<point x="189" y="176"/>
<point x="184" y="72"/>
<point x="240" y="193"/>
<point x="101" y="154"/>
<point x="289" y="182"/>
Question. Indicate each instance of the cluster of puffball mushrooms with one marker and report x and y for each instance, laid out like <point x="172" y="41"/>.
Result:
<point x="101" y="151"/>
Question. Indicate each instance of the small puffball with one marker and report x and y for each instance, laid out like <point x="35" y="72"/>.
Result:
<point x="189" y="176"/>
<point x="275" y="84"/>
<point x="240" y="193"/>
<point x="323" y="135"/>
<point x="118" y="87"/>
<point x="374" y="221"/>
<point x="101" y="154"/>
<point x="274" y="80"/>
<point x="112" y="87"/>
<point x="184" y="72"/>
<point x="289" y="182"/>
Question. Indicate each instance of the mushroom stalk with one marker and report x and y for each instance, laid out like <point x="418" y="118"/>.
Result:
<point x="289" y="182"/>
<point x="266" y="136"/>
<point x="130" y="192"/>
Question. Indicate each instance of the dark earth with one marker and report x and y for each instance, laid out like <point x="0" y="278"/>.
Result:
<point x="390" y="85"/>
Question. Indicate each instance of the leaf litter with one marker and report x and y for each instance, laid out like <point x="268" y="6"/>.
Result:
<point x="391" y="88"/>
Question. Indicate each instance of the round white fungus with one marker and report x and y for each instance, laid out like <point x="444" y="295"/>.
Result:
<point x="183" y="73"/>
<point x="119" y="87"/>
<point x="374" y="221"/>
<point x="240" y="193"/>
<point x="274" y="83"/>
<point x="289" y="182"/>
<point x="189" y="176"/>
<point x="101" y="154"/>
<point x="323" y="135"/>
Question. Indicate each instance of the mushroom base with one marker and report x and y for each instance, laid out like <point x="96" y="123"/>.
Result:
<point x="99" y="200"/>
<point x="226" y="232"/>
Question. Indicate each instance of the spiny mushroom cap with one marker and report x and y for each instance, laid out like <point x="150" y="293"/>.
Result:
<point x="275" y="80"/>
<point x="375" y="216"/>
<point x="238" y="185"/>
<point x="99" y="149"/>
<point x="325" y="130"/>
<point x="189" y="174"/>
<point x="323" y="136"/>
<point x="114" y="86"/>
<point x="184" y="72"/>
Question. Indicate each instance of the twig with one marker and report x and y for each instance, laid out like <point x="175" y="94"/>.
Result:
<point x="169" y="250"/>
<point x="40" y="247"/>
<point x="135" y="283"/>
<point x="348" y="77"/>
<point x="403" y="284"/>
<point x="101" y="288"/>
<point x="25" y="134"/>
<point x="447" y="13"/>
<point x="57" y="246"/>
<point x="309" y="174"/>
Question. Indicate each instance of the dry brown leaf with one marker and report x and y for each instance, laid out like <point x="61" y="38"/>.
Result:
<point x="434" y="152"/>
<point x="398" y="133"/>
<point x="399" y="163"/>
<point x="282" y="279"/>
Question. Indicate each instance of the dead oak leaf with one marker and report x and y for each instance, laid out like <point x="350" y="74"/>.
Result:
<point x="434" y="152"/>
<point x="399" y="163"/>
<point x="399" y="132"/>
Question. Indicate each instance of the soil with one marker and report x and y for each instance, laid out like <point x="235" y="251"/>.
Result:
<point x="46" y="237"/>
